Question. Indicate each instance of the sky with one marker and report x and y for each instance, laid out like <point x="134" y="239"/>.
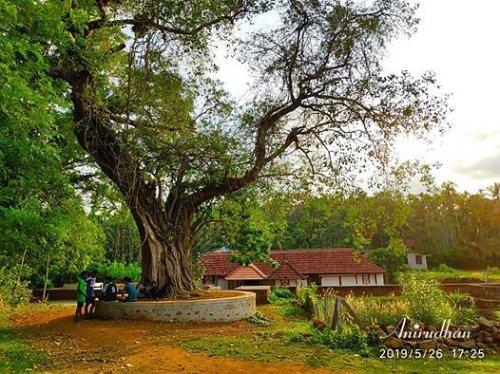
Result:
<point x="458" y="40"/>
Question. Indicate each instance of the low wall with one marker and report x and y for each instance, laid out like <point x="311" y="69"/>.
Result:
<point x="490" y="291"/>
<point x="261" y="293"/>
<point x="232" y="308"/>
<point x="387" y="290"/>
<point x="487" y="291"/>
<point x="57" y="293"/>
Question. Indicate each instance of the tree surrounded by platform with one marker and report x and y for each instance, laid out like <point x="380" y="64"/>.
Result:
<point x="137" y="80"/>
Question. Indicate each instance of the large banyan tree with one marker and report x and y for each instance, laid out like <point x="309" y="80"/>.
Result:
<point x="146" y="109"/>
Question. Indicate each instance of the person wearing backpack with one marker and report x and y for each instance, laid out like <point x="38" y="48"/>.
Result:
<point x="109" y="290"/>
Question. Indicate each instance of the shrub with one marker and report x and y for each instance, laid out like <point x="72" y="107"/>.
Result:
<point x="292" y="311"/>
<point x="282" y="293"/>
<point x="306" y="296"/>
<point x="378" y="311"/>
<point x="391" y="258"/>
<point x="465" y="316"/>
<point x="443" y="268"/>
<point x="280" y="296"/>
<point x="294" y="337"/>
<point x="493" y="271"/>
<point x="12" y="292"/>
<point x="427" y="303"/>
<point x="119" y="270"/>
<point x="351" y="338"/>
<point x="460" y="300"/>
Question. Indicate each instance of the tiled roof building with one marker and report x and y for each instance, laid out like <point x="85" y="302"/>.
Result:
<point x="326" y="267"/>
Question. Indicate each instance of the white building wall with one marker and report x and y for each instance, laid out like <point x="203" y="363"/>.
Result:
<point x="330" y="281"/>
<point x="348" y="280"/>
<point x="291" y="283"/>
<point x="412" y="261"/>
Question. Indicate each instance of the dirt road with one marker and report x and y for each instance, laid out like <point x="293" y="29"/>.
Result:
<point x="134" y="346"/>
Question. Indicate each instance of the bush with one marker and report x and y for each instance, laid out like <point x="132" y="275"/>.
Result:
<point x="119" y="270"/>
<point x="494" y="271"/>
<point x="427" y="303"/>
<point x="305" y="293"/>
<point x="306" y="297"/>
<point x="282" y="293"/>
<point x="443" y="268"/>
<point x="280" y="296"/>
<point x="378" y="311"/>
<point x="12" y="292"/>
<point x="292" y="311"/>
<point x="391" y="258"/>
<point x="460" y="300"/>
<point x="351" y="338"/>
<point x="294" y="337"/>
<point x="465" y="316"/>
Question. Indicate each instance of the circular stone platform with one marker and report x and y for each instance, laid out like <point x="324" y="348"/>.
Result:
<point x="227" y="309"/>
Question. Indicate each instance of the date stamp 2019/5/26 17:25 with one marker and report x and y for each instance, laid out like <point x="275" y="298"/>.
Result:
<point x="417" y="353"/>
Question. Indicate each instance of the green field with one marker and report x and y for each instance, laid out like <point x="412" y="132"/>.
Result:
<point x="493" y="276"/>
<point x="268" y="345"/>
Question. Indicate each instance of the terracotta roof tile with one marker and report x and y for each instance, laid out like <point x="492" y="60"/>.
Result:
<point x="303" y="261"/>
<point x="286" y="271"/>
<point x="245" y="273"/>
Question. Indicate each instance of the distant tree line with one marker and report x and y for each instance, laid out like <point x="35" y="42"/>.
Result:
<point x="461" y="230"/>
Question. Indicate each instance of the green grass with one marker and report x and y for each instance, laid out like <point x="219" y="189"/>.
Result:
<point x="15" y="355"/>
<point x="494" y="275"/>
<point x="268" y="349"/>
<point x="270" y="344"/>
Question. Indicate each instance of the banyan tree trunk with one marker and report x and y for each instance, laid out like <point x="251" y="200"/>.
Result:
<point x="166" y="251"/>
<point x="166" y="237"/>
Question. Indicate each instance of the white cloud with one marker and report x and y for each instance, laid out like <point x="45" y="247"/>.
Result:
<point x="457" y="40"/>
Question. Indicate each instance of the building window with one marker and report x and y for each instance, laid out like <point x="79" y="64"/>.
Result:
<point x="366" y="278"/>
<point x="418" y="259"/>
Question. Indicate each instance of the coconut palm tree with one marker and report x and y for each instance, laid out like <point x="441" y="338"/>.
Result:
<point x="494" y="191"/>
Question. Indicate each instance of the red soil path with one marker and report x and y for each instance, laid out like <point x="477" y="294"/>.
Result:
<point x="134" y="346"/>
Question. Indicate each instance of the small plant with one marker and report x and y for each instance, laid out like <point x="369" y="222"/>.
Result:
<point x="351" y="338"/>
<point x="460" y="300"/>
<point x="305" y="293"/>
<point x="282" y="293"/>
<point x="294" y="337"/>
<point x="377" y="310"/>
<point x="259" y="320"/>
<point x="280" y="296"/>
<point x="325" y="306"/>
<point x="306" y="297"/>
<point x="427" y="302"/>
<point x="443" y="268"/>
<point x="292" y="311"/>
<point x="12" y="291"/>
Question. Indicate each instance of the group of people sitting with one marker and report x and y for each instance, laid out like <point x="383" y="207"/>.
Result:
<point x="150" y="290"/>
<point x="86" y="294"/>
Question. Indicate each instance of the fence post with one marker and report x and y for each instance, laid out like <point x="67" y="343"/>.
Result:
<point x="337" y="315"/>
